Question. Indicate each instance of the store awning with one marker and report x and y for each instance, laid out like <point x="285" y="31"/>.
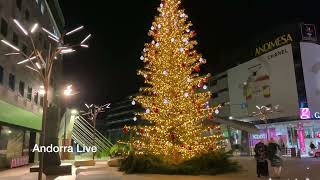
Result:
<point x="11" y="114"/>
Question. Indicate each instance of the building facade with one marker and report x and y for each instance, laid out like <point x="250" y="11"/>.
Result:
<point x="20" y="101"/>
<point x="283" y="74"/>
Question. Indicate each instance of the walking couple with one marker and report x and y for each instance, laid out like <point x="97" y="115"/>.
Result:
<point x="263" y="152"/>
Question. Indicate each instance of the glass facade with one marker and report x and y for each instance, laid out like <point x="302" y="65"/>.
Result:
<point x="294" y="136"/>
<point x="14" y="144"/>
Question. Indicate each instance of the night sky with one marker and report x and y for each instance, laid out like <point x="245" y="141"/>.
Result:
<point x="107" y="70"/>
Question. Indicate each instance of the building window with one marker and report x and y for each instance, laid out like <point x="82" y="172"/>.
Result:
<point x="15" y="39"/>
<point x="26" y="15"/>
<point x="4" y="27"/>
<point x="24" y="49"/>
<point x="29" y="95"/>
<point x="42" y="8"/>
<point x="19" y="4"/>
<point x="12" y="81"/>
<point x="41" y="101"/>
<point x="21" y="88"/>
<point x="36" y="97"/>
<point x="1" y="75"/>
<point x="214" y="95"/>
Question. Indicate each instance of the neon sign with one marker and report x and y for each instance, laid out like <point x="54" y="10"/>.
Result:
<point x="305" y="113"/>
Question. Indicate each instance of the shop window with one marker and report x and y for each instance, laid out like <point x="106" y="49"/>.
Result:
<point x="29" y="95"/>
<point x="19" y="4"/>
<point x="21" y="88"/>
<point x="26" y="140"/>
<point x="4" y="27"/>
<point x="12" y="81"/>
<point x="1" y="75"/>
<point x="36" y="97"/>
<point x="15" y="39"/>
<point x="26" y="15"/>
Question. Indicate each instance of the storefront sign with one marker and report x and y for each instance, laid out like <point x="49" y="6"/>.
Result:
<point x="279" y="41"/>
<point x="259" y="136"/>
<point x="305" y="113"/>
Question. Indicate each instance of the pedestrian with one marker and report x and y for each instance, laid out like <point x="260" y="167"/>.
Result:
<point x="282" y="146"/>
<point x="312" y="146"/>
<point x="313" y="149"/>
<point x="274" y="155"/>
<point x="261" y="157"/>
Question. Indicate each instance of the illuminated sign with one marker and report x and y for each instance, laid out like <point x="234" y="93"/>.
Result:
<point x="305" y="113"/>
<point x="279" y="41"/>
<point x="259" y="136"/>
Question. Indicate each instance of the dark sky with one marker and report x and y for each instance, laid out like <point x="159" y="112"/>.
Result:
<point x="107" y="70"/>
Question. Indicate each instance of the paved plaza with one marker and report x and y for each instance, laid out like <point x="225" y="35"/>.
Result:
<point x="294" y="169"/>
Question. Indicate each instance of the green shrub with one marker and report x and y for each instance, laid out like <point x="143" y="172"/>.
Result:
<point x="206" y="164"/>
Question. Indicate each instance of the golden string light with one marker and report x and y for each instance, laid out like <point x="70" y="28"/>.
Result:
<point x="173" y="103"/>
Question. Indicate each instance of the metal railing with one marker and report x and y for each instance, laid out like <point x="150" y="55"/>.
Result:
<point x="83" y="134"/>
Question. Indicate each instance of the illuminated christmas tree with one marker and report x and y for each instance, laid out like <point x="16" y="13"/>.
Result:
<point x="174" y="105"/>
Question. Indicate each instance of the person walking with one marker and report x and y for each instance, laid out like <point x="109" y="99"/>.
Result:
<point x="313" y="149"/>
<point x="274" y="155"/>
<point x="260" y="150"/>
<point x="312" y="146"/>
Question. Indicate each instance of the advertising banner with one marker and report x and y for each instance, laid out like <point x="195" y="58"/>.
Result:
<point x="267" y="80"/>
<point x="310" y="55"/>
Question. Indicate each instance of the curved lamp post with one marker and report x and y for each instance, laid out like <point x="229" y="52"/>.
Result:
<point x="42" y="63"/>
<point x="92" y="112"/>
<point x="263" y="113"/>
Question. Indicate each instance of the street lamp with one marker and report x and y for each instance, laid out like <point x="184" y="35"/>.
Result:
<point x="42" y="62"/>
<point x="93" y="112"/>
<point x="263" y="114"/>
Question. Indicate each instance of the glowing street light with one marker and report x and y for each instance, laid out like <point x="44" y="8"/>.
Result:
<point x="75" y="30"/>
<point x="34" y="28"/>
<point x="84" y="45"/>
<point x="42" y="91"/>
<point x="68" y="91"/>
<point x="38" y="65"/>
<point x="85" y="39"/>
<point x="56" y="40"/>
<point x="27" y="60"/>
<point x="66" y="51"/>
<point x="21" y="27"/>
<point x="10" y="45"/>
<point x="50" y="33"/>
<point x="74" y="112"/>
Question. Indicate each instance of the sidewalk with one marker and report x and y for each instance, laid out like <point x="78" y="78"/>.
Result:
<point x="294" y="169"/>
